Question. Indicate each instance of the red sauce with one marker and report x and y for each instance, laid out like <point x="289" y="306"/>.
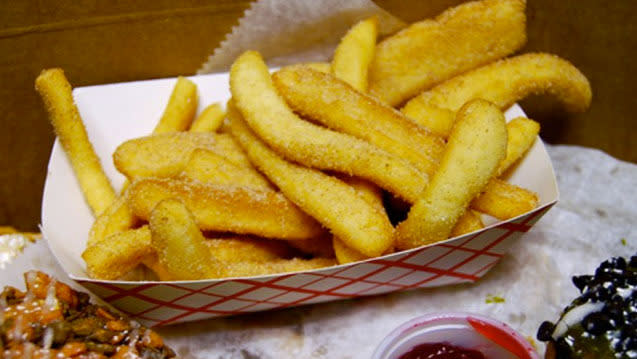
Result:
<point x="441" y="351"/>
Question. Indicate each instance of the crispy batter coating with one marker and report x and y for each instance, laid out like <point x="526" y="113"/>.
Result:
<point x="179" y="244"/>
<point x="118" y="253"/>
<point x="431" y="51"/>
<point x="166" y="155"/>
<point x="251" y="269"/>
<point x="55" y="91"/>
<point x="332" y="202"/>
<point x="521" y="135"/>
<point x="210" y="119"/>
<point x="345" y="254"/>
<point x="209" y="167"/>
<point x="355" y="52"/>
<point x="504" y="83"/>
<point x="333" y="103"/>
<point x="180" y="109"/>
<point x="250" y="249"/>
<point x="227" y="208"/>
<point x="476" y="146"/>
<point x="469" y="222"/>
<point x="311" y="145"/>
<point x="116" y="218"/>
<point x="503" y="200"/>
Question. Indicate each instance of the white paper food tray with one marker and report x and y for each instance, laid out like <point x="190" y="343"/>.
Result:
<point x="117" y="112"/>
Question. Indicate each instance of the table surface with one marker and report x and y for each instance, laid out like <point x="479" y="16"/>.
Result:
<point x="98" y="43"/>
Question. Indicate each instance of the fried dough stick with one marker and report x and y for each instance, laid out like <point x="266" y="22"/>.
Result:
<point x="181" y="108"/>
<point x="227" y="208"/>
<point x="166" y="155"/>
<point x="431" y="51"/>
<point x="354" y="54"/>
<point x="504" y="83"/>
<point x="56" y="94"/>
<point x="332" y="202"/>
<point x="210" y="119"/>
<point x="476" y="146"/>
<point x="311" y="145"/>
<point x="335" y="104"/>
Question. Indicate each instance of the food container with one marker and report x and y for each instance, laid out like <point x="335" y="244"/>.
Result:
<point x="118" y="112"/>
<point x="492" y="338"/>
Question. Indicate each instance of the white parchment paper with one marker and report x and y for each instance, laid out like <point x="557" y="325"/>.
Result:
<point x="592" y="222"/>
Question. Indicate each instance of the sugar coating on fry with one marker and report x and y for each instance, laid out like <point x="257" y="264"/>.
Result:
<point x="56" y="94"/>
<point x="118" y="253"/>
<point x="354" y="54"/>
<point x="438" y="121"/>
<point x="209" y="167"/>
<point x="510" y="80"/>
<point x="345" y="254"/>
<point x="250" y="249"/>
<point x="251" y="269"/>
<point x="311" y="145"/>
<point x="476" y="146"/>
<point x="210" y="119"/>
<point x="332" y="202"/>
<point x="179" y="244"/>
<point x="166" y="155"/>
<point x="469" y="222"/>
<point x="181" y="108"/>
<point x="431" y="51"/>
<point x="335" y="104"/>
<point x="503" y="200"/>
<point x="521" y="134"/>
<point x="227" y="208"/>
<point x="116" y="218"/>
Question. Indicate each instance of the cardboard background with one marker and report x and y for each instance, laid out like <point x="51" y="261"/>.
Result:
<point x="104" y="42"/>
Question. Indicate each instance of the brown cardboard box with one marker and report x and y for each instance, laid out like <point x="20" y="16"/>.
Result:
<point x="103" y="42"/>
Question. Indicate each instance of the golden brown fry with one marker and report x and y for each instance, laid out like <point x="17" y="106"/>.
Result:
<point x="247" y="249"/>
<point x="476" y="146"/>
<point x="210" y="119"/>
<point x="469" y="222"/>
<point x="118" y="253"/>
<point x="521" y="134"/>
<point x="503" y="200"/>
<point x="345" y="254"/>
<point x="227" y="208"/>
<point x="56" y="94"/>
<point x="166" y="155"/>
<point x="317" y="247"/>
<point x="209" y="167"/>
<point x="431" y="51"/>
<point x="508" y="81"/>
<point x="116" y="218"/>
<point x="251" y="269"/>
<point x="324" y="67"/>
<point x="335" y="104"/>
<point x="331" y="201"/>
<point x="437" y="120"/>
<point x="311" y="145"/>
<point x="179" y="244"/>
<point x="354" y="54"/>
<point x="181" y="108"/>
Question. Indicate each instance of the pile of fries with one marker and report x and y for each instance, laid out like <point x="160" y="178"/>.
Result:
<point x="306" y="166"/>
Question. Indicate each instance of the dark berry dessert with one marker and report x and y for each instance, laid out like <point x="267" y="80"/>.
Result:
<point x="602" y="322"/>
<point x="51" y="320"/>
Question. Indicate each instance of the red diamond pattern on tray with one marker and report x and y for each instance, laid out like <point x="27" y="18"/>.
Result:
<point x="459" y="260"/>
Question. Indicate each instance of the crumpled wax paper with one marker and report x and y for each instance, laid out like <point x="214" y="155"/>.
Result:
<point x="591" y="222"/>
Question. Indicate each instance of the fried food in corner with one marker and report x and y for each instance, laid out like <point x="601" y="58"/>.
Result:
<point x="476" y="146"/>
<point x="56" y="94"/>
<point x="434" y="50"/>
<point x="181" y="108"/>
<point x="311" y="145"/>
<point x="504" y="83"/>
<point x="227" y="208"/>
<point x="210" y="119"/>
<point x="332" y="202"/>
